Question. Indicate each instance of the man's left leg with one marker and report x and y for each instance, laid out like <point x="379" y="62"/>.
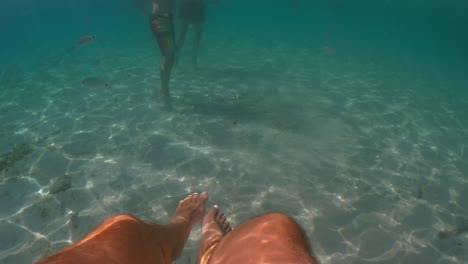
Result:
<point x="197" y="35"/>
<point x="125" y="239"/>
<point x="165" y="69"/>
<point x="184" y="24"/>
<point x="163" y="30"/>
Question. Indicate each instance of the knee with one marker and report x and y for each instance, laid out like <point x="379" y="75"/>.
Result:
<point x="284" y="222"/>
<point x="122" y="217"/>
<point x="288" y="225"/>
<point x="277" y="219"/>
<point x="280" y="217"/>
<point x="170" y="56"/>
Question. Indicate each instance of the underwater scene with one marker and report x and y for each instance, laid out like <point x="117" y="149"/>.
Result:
<point x="351" y="117"/>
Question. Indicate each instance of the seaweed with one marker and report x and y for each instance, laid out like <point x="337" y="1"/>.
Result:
<point x="19" y="152"/>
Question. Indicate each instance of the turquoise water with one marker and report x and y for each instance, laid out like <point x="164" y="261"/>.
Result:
<point x="349" y="116"/>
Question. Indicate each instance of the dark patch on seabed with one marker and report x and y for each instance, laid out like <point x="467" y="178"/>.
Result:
<point x="19" y="152"/>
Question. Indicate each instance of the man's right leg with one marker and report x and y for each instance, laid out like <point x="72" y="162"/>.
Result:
<point x="269" y="238"/>
<point x="184" y="24"/>
<point x="197" y="35"/>
<point x="163" y="30"/>
<point x="167" y="62"/>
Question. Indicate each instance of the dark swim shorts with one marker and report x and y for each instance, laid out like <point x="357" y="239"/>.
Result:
<point x="163" y="30"/>
<point x="193" y="11"/>
<point x="161" y="24"/>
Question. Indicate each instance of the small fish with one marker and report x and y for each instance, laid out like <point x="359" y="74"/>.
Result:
<point x="419" y="193"/>
<point x="60" y="184"/>
<point x="70" y="49"/>
<point x="74" y="219"/>
<point x="85" y="39"/>
<point x="95" y="82"/>
<point x="327" y="49"/>
<point x="231" y="94"/>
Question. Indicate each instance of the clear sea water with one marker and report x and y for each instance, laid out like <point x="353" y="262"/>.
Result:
<point x="350" y="116"/>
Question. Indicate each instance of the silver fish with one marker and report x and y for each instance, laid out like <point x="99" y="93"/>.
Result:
<point x="85" y="39"/>
<point x="95" y="82"/>
<point x="60" y="184"/>
<point x="74" y="219"/>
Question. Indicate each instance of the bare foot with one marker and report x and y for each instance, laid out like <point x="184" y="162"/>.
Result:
<point x="190" y="209"/>
<point x="166" y="103"/>
<point x="214" y="228"/>
<point x="189" y="212"/>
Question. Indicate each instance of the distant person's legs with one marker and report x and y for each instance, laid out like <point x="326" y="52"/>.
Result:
<point x="270" y="238"/>
<point x="163" y="30"/>
<point x="197" y="35"/>
<point x="123" y="238"/>
<point x="191" y="13"/>
<point x="184" y="24"/>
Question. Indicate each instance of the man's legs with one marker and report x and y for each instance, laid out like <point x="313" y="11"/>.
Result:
<point x="126" y="239"/>
<point x="165" y="69"/>
<point x="163" y="30"/>
<point x="197" y="35"/>
<point x="269" y="238"/>
<point x="184" y="24"/>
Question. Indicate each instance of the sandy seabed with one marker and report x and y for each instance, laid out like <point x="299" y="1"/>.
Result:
<point x="374" y="170"/>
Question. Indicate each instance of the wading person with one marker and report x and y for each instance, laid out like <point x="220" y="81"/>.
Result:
<point x="161" y="23"/>
<point x="192" y="12"/>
